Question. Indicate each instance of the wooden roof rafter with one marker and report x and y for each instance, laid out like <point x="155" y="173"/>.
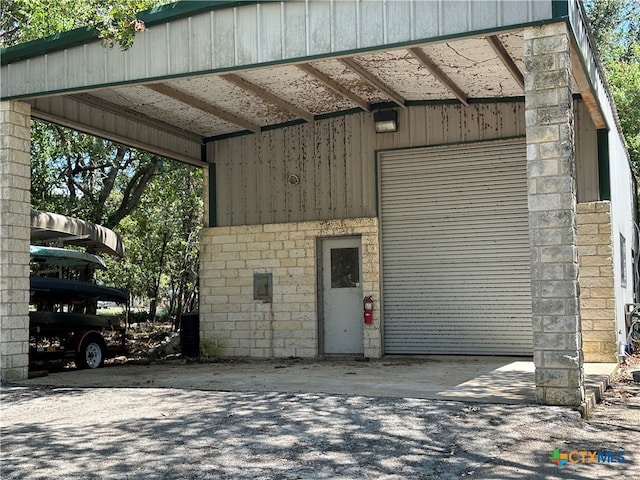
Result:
<point x="335" y="86"/>
<point x="119" y="110"/>
<point x="204" y="106"/>
<point x="268" y="96"/>
<point x="374" y="81"/>
<point x="437" y="72"/>
<point x="506" y="59"/>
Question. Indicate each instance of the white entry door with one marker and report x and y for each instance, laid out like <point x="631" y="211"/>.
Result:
<point x="342" y="295"/>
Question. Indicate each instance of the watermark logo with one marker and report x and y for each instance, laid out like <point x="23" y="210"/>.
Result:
<point x="559" y="458"/>
<point x="586" y="456"/>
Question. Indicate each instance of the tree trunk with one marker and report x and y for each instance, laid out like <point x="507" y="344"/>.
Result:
<point x="153" y="307"/>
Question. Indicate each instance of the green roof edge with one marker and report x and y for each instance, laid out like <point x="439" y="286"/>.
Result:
<point x="79" y="36"/>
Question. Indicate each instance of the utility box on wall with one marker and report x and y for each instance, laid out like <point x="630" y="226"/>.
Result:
<point x="263" y="287"/>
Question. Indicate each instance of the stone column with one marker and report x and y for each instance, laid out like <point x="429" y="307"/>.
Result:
<point x="15" y="233"/>
<point x="557" y="338"/>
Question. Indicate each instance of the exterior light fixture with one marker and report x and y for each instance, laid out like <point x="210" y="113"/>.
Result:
<point x="386" y="121"/>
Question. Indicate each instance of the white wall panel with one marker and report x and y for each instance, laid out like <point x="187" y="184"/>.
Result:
<point x="271" y="32"/>
<point x="224" y="38"/>
<point x="320" y="23"/>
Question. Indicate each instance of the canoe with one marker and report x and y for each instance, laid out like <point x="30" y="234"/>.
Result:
<point x="65" y="257"/>
<point x="60" y="290"/>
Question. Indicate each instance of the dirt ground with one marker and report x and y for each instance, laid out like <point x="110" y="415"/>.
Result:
<point x="168" y="433"/>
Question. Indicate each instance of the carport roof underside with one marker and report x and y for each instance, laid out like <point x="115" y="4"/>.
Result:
<point x="208" y="70"/>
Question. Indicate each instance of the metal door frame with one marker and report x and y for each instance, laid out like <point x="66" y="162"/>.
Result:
<point x="320" y="287"/>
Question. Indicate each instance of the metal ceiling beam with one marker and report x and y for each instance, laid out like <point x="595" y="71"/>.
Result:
<point x="430" y="65"/>
<point x="135" y="116"/>
<point x="203" y="106"/>
<point x="506" y="59"/>
<point x="335" y="86"/>
<point x="120" y="127"/>
<point x="374" y="81"/>
<point x="268" y="96"/>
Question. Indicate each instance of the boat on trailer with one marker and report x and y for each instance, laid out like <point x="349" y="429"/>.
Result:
<point x="63" y="319"/>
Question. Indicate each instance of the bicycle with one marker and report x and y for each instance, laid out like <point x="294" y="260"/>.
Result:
<point x="633" y="330"/>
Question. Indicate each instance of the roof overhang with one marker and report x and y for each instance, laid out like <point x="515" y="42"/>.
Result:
<point x="205" y="71"/>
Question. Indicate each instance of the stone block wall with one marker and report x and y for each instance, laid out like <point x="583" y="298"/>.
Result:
<point x="597" y="295"/>
<point x="557" y="340"/>
<point x="15" y="233"/>
<point x="288" y="326"/>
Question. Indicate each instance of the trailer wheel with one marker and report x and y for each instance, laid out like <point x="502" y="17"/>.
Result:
<point x="91" y="352"/>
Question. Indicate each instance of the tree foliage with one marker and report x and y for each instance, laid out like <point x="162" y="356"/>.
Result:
<point x="161" y="237"/>
<point x="114" y="20"/>
<point x="616" y="29"/>
<point x="154" y="203"/>
<point x="85" y="176"/>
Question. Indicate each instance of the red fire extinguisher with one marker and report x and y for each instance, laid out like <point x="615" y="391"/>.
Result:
<point x="368" y="309"/>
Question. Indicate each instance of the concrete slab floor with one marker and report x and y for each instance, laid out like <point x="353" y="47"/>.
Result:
<point x="466" y="378"/>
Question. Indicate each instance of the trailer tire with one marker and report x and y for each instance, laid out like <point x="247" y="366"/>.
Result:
<point x="91" y="352"/>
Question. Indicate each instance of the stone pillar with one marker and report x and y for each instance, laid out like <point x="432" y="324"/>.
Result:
<point x="15" y="233"/>
<point x="557" y="338"/>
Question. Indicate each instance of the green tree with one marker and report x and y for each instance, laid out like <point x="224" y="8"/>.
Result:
<point x="161" y="237"/>
<point x="153" y="202"/>
<point x="85" y="176"/>
<point x="616" y="29"/>
<point x="115" y="21"/>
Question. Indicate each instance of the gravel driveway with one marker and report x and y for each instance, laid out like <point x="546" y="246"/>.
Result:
<point x="153" y="433"/>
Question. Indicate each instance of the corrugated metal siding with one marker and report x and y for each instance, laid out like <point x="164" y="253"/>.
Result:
<point x="86" y="118"/>
<point x="438" y="124"/>
<point x="455" y="249"/>
<point x="266" y="32"/>
<point x="335" y="160"/>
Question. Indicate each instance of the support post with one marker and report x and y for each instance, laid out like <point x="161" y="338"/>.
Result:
<point x="557" y="337"/>
<point x="15" y="233"/>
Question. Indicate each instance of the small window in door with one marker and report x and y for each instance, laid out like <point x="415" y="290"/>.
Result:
<point x="345" y="268"/>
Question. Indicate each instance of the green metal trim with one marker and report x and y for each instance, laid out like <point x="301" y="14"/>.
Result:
<point x="226" y="136"/>
<point x="213" y="204"/>
<point x="52" y="43"/>
<point x="560" y="9"/>
<point x="340" y="113"/>
<point x="187" y="8"/>
<point x="291" y="123"/>
<point x="375" y="106"/>
<point x="470" y="101"/>
<point x="604" y="172"/>
<point x="273" y="63"/>
<point x="80" y="36"/>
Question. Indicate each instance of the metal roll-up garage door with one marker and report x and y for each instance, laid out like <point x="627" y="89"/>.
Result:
<point x="455" y="249"/>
